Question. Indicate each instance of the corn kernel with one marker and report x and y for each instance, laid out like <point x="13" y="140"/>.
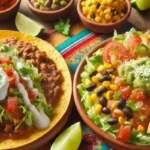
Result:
<point x="117" y="113"/>
<point x="113" y="87"/>
<point x="95" y="79"/>
<point x="97" y="19"/>
<point x="108" y="94"/>
<point x="104" y="21"/>
<point x="89" y="98"/>
<point x="98" y="10"/>
<point x="122" y="14"/>
<point x="107" y="65"/>
<point x="87" y="82"/>
<point x="98" y="108"/>
<point x="109" y="2"/>
<point x="115" y="4"/>
<point x="121" y="120"/>
<point x="114" y="105"/>
<point x="100" y="69"/>
<point x="106" y="84"/>
<point x="113" y="77"/>
<point x="94" y="97"/>
<point x="99" y="75"/>
<point x="107" y="16"/>
<point x="85" y="10"/>
<point x="116" y="17"/>
<point x="140" y="128"/>
<point x="107" y="11"/>
<point x="104" y="2"/>
<point x="83" y="3"/>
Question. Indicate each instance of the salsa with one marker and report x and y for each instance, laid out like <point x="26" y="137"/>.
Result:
<point x="114" y="87"/>
<point x="5" y="4"/>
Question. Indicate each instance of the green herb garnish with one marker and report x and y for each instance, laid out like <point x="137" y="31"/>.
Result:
<point x="117" y="95"/>
<point x="90" y="4"/>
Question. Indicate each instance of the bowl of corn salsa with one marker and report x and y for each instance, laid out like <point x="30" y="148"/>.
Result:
<point x="103" y="16"/>
<point x="111" y="90"/>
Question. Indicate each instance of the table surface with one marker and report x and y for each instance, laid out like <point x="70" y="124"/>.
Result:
<point x="140" y="20"/>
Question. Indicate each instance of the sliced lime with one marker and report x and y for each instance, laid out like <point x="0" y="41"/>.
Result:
<point x="27" y="25"/>
<point x="141" y="4"/>
<point x="70" y="139"/>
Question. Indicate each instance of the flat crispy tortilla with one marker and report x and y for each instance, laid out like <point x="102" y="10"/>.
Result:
<point x="62" y="105"/>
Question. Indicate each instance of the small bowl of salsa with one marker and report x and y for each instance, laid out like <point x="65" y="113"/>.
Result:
<point x="8" y="8"/>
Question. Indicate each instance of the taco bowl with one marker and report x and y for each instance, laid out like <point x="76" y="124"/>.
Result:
<point x="55" y="84"/>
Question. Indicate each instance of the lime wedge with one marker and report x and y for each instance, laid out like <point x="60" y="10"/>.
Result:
<point x="27" y="25"/>
<point x="141" y="4"/>
<point x="70" y="139"/>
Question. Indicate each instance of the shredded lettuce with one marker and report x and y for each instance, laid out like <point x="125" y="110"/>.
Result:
<point x="134" y="105"/>
<point x="4" y="115"/>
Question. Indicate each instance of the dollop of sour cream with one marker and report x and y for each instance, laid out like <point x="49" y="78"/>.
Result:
<point x="4" y="84"/>
<point x="42" y="121"/>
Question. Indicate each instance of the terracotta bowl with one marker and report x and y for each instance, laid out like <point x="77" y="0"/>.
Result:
<point x="103" y="28"/>
<point x="50" y="15"/>
<point x="116" y="144"/>
<point x="10" y="12"/>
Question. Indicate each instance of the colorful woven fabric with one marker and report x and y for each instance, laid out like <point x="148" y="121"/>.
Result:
<point x="73" y="50"/>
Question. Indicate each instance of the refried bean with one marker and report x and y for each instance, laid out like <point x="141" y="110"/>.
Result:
<point x="51" y="77"/>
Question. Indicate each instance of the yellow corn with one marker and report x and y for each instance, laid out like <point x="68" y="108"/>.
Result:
<point x="85" y="10"/>
<point x="108" y="94"/>
<point x="121" y="120"/>
<point x="99" y="75"/>
<point x="109" y="2"/>
<point x="116" y="17"/>
<point x="113" y="87"/>
<point x="107" y="11"/>
<point x="107" y="65"/>
<point x="114" y="105"/>
<point x="106" y="84"/>
<point x="100" y="69"/>
<point x="114" y="63"/>
<point x="118" y="113"/>
<point x="89" y="98"/>
<point x="98" y="10"/>
<point x="98" y="108"/>
<point x="95" y="79"/>
<point x="104" y="2"/>
<point x="115" y="4"/>
<point x="97" y="19"/>
<point x="94" y="97"/>
<point x="107" y="16"/>
<point x="140" y="128"/>
<point x="83" y="3"/>
<point x="87" y="82"/>
<point x="113" y="77"/>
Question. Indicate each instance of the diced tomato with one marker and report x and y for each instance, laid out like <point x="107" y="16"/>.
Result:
<point x="23" y="81"/>
<point x="8" y="71"/>
<point x="133" y="41"/>
<point x="5" y="60"/>
<point x="115" y="51"/>
<point x="17" y="113"/>
<point x="32" y="94"/>
<point x="12" y="80"/>
<point x="119" y="81"/>
<point x="110" y="102"/>
<point x="126" y="91"/>
<point x="138" y="95"/>
<point x="124" y="133"/>
<point x="12" y="102"/>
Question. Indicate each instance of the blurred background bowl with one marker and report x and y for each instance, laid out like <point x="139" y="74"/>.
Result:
<point x="10" y="12"/>
<point x="103" y="28"/>
<point x="51" y="14"/>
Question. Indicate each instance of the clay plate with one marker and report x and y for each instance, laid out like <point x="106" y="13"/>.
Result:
<point x="103" y="135"/>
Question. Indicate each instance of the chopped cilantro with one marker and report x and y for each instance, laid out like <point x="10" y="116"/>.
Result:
<point x="0" y="77"/>
<point x="90" y="4"/>
<point x="117" y="95"/>
<point x="114" y="48"/>
<point x="63" y="26"/>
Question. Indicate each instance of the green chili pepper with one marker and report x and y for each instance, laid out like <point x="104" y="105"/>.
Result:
<point x="141" y="49"/>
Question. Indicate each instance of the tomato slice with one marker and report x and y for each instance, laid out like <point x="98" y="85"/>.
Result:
<point x="8" y="71"/>
<point x="133" y="41"/>
<point x="32" y="94"/>
<point x="126" y="91"/>
<point x="124" y="133"/>
<point x="12" y="102"/>
<point x="5" y="60"/>
<point x="12" y="80"/>
<point x="138" y="95"/>
<point x="114" y="51"/>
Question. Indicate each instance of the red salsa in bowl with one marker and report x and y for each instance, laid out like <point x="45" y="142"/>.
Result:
<point x="5" y="4"/>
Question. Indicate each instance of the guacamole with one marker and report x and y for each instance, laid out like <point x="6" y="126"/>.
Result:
<point x="136" y="73"/>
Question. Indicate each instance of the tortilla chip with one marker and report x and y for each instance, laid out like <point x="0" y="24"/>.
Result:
<point x="62" y="105"/>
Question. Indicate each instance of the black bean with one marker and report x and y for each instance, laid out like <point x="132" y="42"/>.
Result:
<point x="105" y="78"/>
<point x="128" y="112"/>
<point x="122" y="103"/>
<point x="105" y="72"/>
<point x="103" y="101"/>
<point x="93" y="73"/>
<point x="112" y="121"/>
<point x="106" y="110"/>
<point x="91" y="87"/>
<point x="114" y="11"/>
<point x="92" y="15"/>
<point x="124" y="10"/>
<point x="98" y="5"/>
<point x="101" y="91"/>
<point x="111" y="70"/>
